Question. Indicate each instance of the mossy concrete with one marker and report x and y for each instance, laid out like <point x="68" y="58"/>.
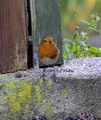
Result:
<point x="60" y="96"/>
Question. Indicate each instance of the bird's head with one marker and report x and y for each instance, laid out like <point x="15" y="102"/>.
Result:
<point x="48" y="41"/>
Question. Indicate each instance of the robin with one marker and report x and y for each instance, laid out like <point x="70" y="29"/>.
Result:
<point x="48" y="51"/>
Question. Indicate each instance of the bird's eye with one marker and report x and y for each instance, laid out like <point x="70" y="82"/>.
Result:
<point x="50" y="41"/>
<point x="44" y="40"/>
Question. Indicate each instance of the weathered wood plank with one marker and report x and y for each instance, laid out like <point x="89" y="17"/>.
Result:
<point x="46" y="22"/>
<point x="13" y="44"/>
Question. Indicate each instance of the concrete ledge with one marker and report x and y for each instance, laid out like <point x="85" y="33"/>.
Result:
<point x="76" y="89"/>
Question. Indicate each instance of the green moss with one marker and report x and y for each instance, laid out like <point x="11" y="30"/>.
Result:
<point x="48" y="109"/>
<point x="49" y="85"/>
<point x="64" y="93"/>
<point x="20" y="97"/>
<point x="41" y="81"/>
<point x="38" y="93"/>
<point x="11" y="85"/>
<point x="42" y="92"/>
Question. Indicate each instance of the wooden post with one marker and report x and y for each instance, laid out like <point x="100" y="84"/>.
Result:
<point x="13" y="43"/>
<point x="45" y="17"/>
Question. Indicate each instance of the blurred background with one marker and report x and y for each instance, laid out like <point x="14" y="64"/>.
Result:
<point x="72" y="11"/>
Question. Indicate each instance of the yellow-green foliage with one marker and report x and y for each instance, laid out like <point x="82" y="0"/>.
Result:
<point x="64" y="93"/>
<point x="48" y="109"/>
<point x="20" y="96"/>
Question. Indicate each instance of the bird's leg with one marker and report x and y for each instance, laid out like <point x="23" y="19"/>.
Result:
<point x="54" y="75"/>
<point x="43" y="74"/>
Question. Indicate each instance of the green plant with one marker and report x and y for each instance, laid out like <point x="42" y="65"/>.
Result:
<point x="77" y="45"/>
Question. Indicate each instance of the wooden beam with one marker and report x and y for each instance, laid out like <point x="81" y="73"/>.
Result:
<point x="13" y="32"/>
<point x="46" y="22"/>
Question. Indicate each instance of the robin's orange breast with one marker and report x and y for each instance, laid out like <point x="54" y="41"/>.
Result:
<point x="47" y="51"/>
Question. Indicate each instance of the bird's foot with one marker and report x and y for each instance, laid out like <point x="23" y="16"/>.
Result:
<point x="43" y="75"/>
<point x="55" y="78"/>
